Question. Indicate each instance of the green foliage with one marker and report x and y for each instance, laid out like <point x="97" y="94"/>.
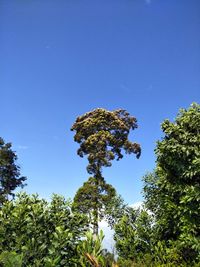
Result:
<point x="102" y="135"/>
<point x="133" y="234"/>
<point x="115" y="210"/>
<point x="170" y="256"/>
<point x="90" y="250"/>
<point x="172" y="192"/>
<point x="109" y="258"/>
<point x="34" y="232"/>
<point x="47" y="234"/>
<point x="98" y="200"/>
<point x="10" y="259"/>
<point x="9" y="171"/>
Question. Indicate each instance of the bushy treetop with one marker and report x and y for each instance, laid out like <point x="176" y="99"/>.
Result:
<point x="178" y="154"/>
<point x="102" y="135"/>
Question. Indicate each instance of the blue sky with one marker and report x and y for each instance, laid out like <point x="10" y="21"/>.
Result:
<point x="62" y="58"/>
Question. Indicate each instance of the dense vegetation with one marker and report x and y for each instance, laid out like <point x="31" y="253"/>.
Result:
<point x="44" y="234"/>
<point x="164" y="232"/>
<point x="169" y="232"/>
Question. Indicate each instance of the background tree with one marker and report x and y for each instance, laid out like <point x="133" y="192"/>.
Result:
<point x="109" y="205"/>
<point x="133" y="235"/>
<point x="102" y="136"/>
<point x="173" y="192"/>
<point x="9" y="171"/>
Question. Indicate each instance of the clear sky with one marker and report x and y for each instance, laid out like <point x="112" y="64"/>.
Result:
<point x="62" y="58"/>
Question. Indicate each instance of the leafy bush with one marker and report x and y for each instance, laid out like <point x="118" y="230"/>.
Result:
<point x="133" y="235"/>
<point x="172" y="192"/>
<point x="47" y="234"/>
<point x="10" y="259"/>
<point x="90" y="250"/>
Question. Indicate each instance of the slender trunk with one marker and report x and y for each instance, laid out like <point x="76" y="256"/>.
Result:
<point x="95" y="225"/>
<point x="97" y="176"/>
<point x="96" y="210"/>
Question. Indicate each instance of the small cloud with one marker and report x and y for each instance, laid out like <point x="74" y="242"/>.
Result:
<point x="47" y="46"/>
<point x="148" y="2"/>
<point x="108" y="241"/>
<point x="22" y="147"/>
<point x="103" y="224"/>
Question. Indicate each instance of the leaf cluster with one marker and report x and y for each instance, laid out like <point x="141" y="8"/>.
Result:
<point x="133" y="234"/>
<point x="172" y="192"/>
<point x="102" y="135"/>
<point x="90" y="250"/>
<point x="44" y="233"/>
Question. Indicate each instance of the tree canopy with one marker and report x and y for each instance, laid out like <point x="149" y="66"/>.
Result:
<point x="103" y="135"/>
<point x="172" y="192"/>
<point x="9" y="171"/>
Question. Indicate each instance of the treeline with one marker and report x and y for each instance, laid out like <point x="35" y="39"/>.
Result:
<point x="165" y="232"/>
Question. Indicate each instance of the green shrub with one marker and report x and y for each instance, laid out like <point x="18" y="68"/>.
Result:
<point x="91" y="247"/>
<point x="47" y="234"/>
<point x="10" y="259"/>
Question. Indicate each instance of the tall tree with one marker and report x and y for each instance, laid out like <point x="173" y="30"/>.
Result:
<point x="9" y="171"/>
<point x="102" y="136"/>
<point x="173" y="192"/>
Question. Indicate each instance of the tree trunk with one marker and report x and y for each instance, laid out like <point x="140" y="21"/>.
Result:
<point x="96" y="211"/>
<point x="97" y="176"/>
